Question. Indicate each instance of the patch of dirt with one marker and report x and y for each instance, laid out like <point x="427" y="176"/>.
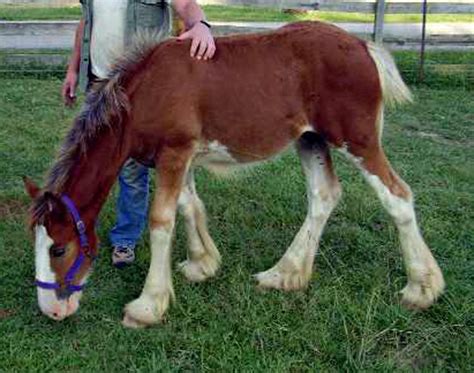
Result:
<point x="448" y="69"/>
<point x="10" y="208"/>
<point x="295" y="11"/>
<point x="4" y="314"/>
<point x="440" y="139"/>
<point x="470" y="117"/>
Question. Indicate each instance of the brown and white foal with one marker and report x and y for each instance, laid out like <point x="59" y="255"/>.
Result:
<point x="308" y="84"/>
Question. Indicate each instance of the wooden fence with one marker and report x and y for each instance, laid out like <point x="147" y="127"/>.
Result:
<point x="382" y="7"/>
<point x="398" y="7"/>
<point x="51" y="3"/>
<point x="377" y="7"/>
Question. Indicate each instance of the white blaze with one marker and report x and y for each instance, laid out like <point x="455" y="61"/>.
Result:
<point x="48" y="302"/>
<point x="46" y="297"/>
<point x="43" y="264"/>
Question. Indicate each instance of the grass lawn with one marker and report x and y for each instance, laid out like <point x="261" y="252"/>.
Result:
<point x="349" y="319"/>
<point x="232" y="13"/>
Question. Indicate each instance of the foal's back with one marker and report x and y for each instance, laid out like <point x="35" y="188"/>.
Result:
<point x="272" y="86"/>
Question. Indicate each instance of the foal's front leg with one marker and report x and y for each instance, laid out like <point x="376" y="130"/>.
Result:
<point x="158" y="292"/>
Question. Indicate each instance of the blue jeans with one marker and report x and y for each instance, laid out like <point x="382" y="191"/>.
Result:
<point x="132" y="204"/>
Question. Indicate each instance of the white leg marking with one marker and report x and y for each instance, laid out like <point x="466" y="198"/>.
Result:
<point x="293" y="271"/>
<point x="157" y="292"/>
<point x="425" y="280"/>
<point x="203" y="257"/>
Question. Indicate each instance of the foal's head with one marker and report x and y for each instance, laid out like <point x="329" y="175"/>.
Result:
<point x="63" y="256"/>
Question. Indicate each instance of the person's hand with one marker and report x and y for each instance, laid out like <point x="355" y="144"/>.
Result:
<point x="68" y="91"/>
<point x="202" y="45"/>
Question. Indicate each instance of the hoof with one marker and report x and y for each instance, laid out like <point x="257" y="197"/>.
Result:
<point x="130" y="322"/>
<point x="146" y="310"/>
<point x="275" y="278"/>
<point x="199" y="270"/>
<point x="419" y="295"/>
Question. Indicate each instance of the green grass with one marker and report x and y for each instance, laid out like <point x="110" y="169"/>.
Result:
<point x="442" y="69"/>
<point x="231" y="13"/>
<point x="348" y="320"/>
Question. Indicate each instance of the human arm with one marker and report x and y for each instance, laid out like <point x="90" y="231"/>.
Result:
<point x="202" y="45"/>
<point x="68" y="91"/>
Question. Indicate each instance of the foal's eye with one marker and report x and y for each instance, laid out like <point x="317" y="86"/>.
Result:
<point x="57" y="251"/>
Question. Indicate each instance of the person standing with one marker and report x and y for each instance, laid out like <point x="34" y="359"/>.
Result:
<point x="106" y="29"/>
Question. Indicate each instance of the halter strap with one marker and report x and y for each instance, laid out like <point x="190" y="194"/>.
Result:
<point x="84" y="246"/>
<point x="76" y="217"/>
<point x="47" y="285"/>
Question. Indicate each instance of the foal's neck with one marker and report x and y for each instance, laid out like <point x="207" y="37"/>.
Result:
<point x="94" y="175"/>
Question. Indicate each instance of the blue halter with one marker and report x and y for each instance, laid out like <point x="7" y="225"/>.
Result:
<point x="83" y="251"/>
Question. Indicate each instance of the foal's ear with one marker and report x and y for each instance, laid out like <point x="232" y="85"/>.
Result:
<point x="31" y="187"/>
<point x="51" y="201"/>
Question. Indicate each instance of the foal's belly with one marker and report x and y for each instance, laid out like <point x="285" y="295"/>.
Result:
<point x="218" y="158"/>
<point x="251" y="141"/>
<point x="214" y="155"/>
<point x="246" y="147"/>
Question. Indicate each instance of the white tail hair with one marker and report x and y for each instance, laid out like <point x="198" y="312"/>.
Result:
<point x="394" y="90"/>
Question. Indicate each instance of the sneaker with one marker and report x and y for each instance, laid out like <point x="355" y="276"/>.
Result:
<point x="123" y="256"/>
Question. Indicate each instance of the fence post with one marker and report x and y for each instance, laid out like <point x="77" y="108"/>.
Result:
<point x="421" y="72"/>
<point x="379" y="21"/>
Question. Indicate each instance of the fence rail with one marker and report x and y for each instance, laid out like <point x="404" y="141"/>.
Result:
<point x="392" y="8"/>
<point x="364" y="6"/>
<point x="381" y="7"/>
<point x="376" y="7"/>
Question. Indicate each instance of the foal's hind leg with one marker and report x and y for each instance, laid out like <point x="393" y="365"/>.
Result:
<point x="203" y="257"/>
<point x="425" y="280"/>
<point x="293" y="271"/>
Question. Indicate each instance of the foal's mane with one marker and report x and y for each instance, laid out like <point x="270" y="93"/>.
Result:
<point x="104" y="110"/>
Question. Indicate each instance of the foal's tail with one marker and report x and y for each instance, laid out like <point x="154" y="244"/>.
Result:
<point x="394" y="89"/>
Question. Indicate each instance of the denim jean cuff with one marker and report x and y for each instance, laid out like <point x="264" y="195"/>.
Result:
<point x="127" y="244"/>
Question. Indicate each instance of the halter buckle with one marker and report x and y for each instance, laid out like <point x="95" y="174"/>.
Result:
<point x="80" y="226"/>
